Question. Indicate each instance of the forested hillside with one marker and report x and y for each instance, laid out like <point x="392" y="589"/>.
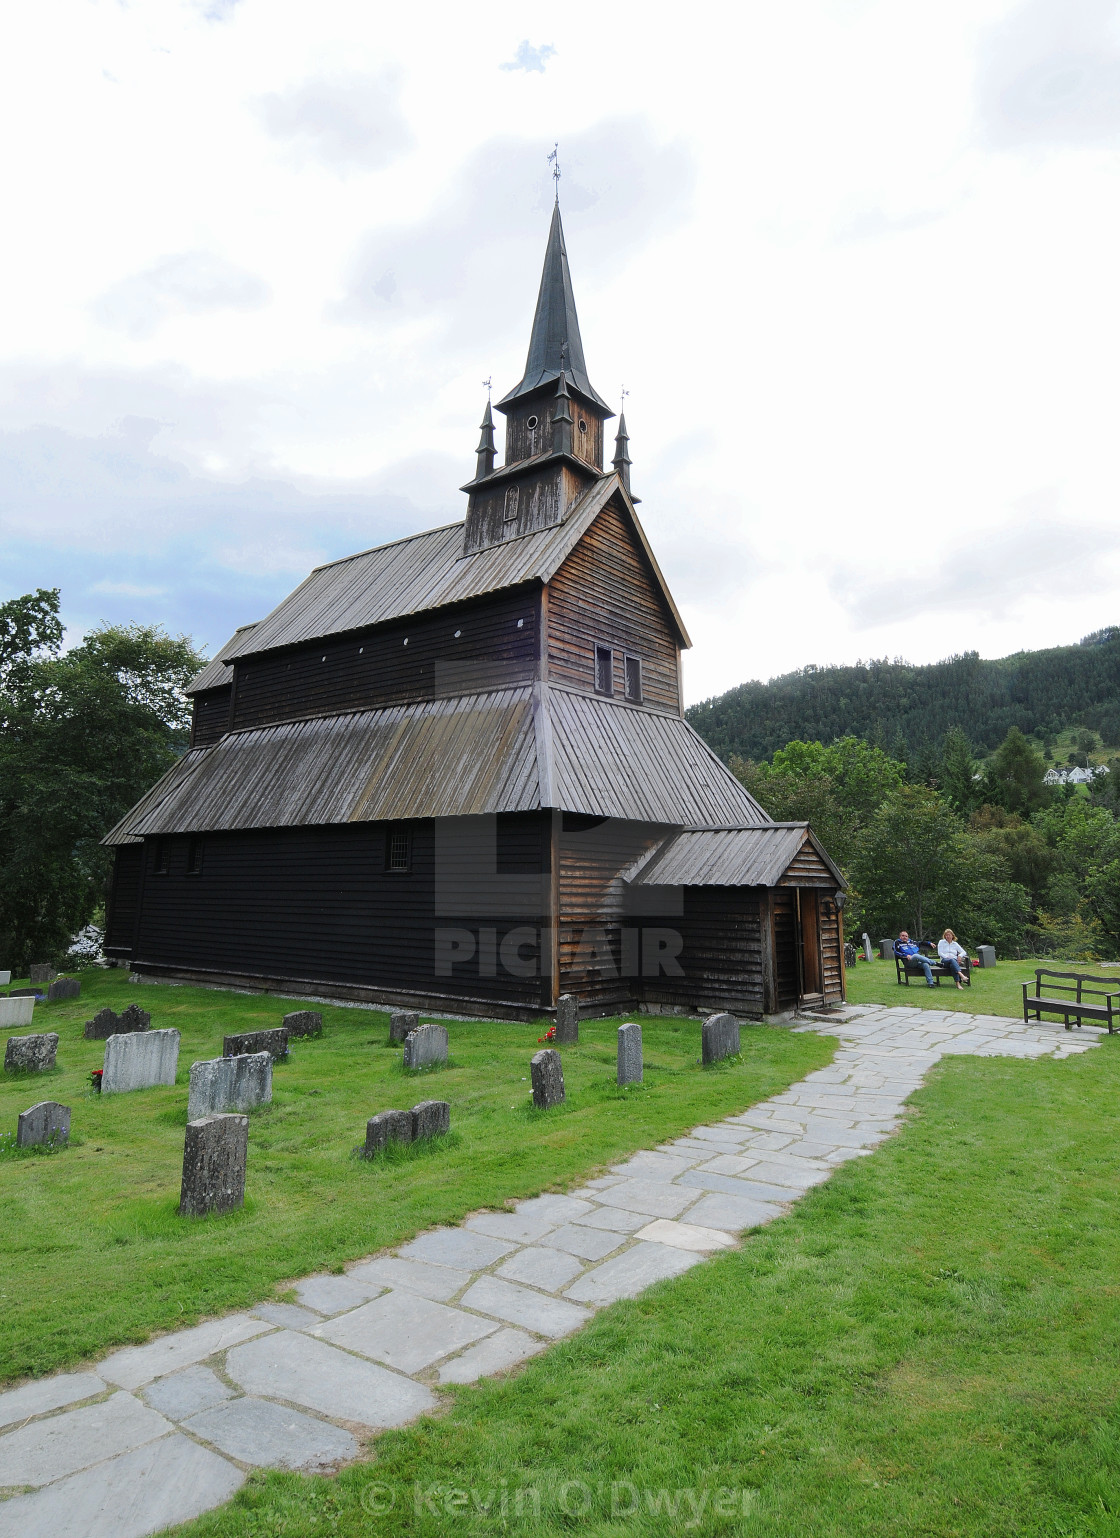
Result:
<point x="909" y="709"/>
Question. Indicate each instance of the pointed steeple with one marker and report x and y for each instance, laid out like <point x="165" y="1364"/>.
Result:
<point x="486" y="450"/>
<point x="621" y="460"/>
<point x="555" y="343"/>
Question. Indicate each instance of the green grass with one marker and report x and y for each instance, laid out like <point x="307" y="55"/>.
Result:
<point x="93" y="1252"/>
<point x="926" y="1345"/>
<point x="995" y="990"/>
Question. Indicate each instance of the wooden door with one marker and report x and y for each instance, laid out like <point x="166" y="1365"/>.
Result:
<point x="809" y="942"/>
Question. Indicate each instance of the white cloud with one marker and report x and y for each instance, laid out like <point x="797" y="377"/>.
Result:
<point x="189" y="283"/>
<point x="346" y="121"/>
<point x="530" y="59"/>
<point x="1050" y="75"/>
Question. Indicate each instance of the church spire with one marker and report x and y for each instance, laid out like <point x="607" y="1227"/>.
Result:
<point x="622" y="461"/>
<point x="555" y="344"/>
<point x="562" y="424"/>
<point x="486" y="450"/>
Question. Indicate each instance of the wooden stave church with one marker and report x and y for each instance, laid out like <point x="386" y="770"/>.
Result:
<point x="454" y="770"/>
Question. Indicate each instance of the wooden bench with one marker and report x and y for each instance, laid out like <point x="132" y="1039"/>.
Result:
<point x="1106" y="1013"/>
<point x="906" y="967"/>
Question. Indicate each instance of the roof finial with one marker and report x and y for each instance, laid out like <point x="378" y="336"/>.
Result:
<point x="554" y="162"/>
<point x="488" y="383"/>
<point x="486" y="451"/>
<point x="621" y="461"/>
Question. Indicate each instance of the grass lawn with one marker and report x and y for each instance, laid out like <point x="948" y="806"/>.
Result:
<point x="93" y="1252"/>
<point x="926" y="1345"/>
<point x="995" y="990"/>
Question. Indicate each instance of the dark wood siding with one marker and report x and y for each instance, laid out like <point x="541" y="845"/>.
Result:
<point x="211" y="716"/>
<point x="376" y="667"/>
<point x="124" y="900"/>
<point x="593" y="906"/>
<point x="319" y="906"/>
<point x="808" y="869"/>
<point x="604" y="592"/>
<point x="786" y="981"/>
<point x="722" y="954"/>
<point x="832" y="944"/>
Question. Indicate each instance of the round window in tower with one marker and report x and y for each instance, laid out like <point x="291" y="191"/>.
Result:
<point x="531" y="422"/>
<point x="582" y="425"/>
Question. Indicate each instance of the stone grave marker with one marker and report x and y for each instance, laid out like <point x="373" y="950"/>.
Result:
<point x="30" y="1054"/>
<point x="425" y="1045"/>
<point x="304" y="1022"/>
<point x="27" y="993"/>
<point x="401" y="1021"/>
<point x="139" y="1060"/>
<point x="64" y="988"/>
<point x="136" y="1019"/>
<point x="567" y="1020"/>
<point x="17" y="1010"/>
<point x="548" y="1078"/>
<point x="106" y="1022"/>
<point x="431" y="1118"/>
<point x="40" y="974"/>
<point x="273" y="1042"/>
<point x="868" y="951"/>
<point x="215" y="1152"/>
<point x="719" y="1037"/>
<point x="630" y="1054"/>
<point x="387" y="1127"/>
<point x="221" y="1084"/>
<point x="986" y="956"/>
<point x="5" y="977"/>
<point x="45" y="1123"/>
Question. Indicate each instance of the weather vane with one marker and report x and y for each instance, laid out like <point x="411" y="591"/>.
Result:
<point x="487" y="383"/>
<point x="554" y="162"/>
<point x="563" y="357"/>
<point x="623" y="392"/>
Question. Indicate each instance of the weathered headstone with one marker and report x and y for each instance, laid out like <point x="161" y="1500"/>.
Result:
<point x="547" y="1073"/>
<point x="567" y="1021"/>
<point x="431" y="1118"/>
<point x="18" y="1010"/>
<point x="215" y="1152"/>
<point x="273" y="1042"/>
<point x="304" y="1022"/>
<point x="5" y="977"/>
<point x="425" y="1045"/>
<point x="30" y="1054"/>
<point x="135" y="1019"/>
<point x="886" y="950"/>
<point x="986" y="956"/>
<point x="401" y="1021"/>
<point x="64" y="988"/>
<point x="139" y="1060"/>
<point x="630" y="1054"/>
<point x="868" y="951"/>
<point x="221" y="1084"/>
<point x="40" y="975"/>
<point x="107" y="1022"/>
<point x="26" y="993"/>
<point x="387" y="1127"/>
<point x="719" y="1037"/>
<point x="45" y="1123"/>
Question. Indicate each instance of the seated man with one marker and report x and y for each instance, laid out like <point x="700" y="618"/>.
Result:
<point x="951" y="954"/>
<point x="908" y="950"/>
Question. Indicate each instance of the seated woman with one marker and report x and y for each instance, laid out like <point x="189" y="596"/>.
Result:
<point x="951" y="954"/>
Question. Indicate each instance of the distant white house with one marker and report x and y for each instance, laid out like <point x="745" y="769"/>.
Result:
<point x="1073" y="776"/>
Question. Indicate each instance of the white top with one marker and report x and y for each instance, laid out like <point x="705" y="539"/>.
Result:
<point x="948" y="948"/>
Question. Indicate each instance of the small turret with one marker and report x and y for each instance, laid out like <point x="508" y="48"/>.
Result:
<point x="621" y="460"/>
<point x="486" y="451"/>
<point x="562" y="423"/>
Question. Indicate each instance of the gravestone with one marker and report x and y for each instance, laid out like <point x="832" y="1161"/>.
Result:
<point x="215" y="1151"/>
<point x="5" y="978"/>
<point x="30" y="1054"/>
<point x="135" y="1019"/>
<point x="986" y="956"/>
<point x="630" y="1054"/>
<point x="387" y="1127"/>
<point x="139" y="1060"/>
<point x="425" y="1045"/>
<point x="567" y="1021"/>
<point x="27" y="993"/>
<point x="221" y="1084"/>
<point x="868" y="951"/>
<point x="40" y="974"/>
<point x="886" y="950"/>
<point x="275" y="1043"/>
<point x="18" y="1010"/>
<point x="431" y="1118"/>
<point x="719" y="1037"/>
<point x="401" y="1021"/>
<point x="45" y="1123"/>
<point x="108" y="1023"/>
<point x="548" y="1078"/>
<point x="64" y="988"/>
<point x="304" y="1022"/>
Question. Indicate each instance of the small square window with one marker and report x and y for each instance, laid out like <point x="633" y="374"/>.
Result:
<point x="397" y="852"/>
<point x="162" y="857"/>
<point x="194" y="857"/>
<point x="634" y="679"/>
<point x="604" y="670"/>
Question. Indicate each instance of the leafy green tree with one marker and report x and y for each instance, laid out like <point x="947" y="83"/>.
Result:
<point x="902" y="859"/>
<point x="85" y="733"/>
<point x="958" y="772"/>
<point x="1015" y="775"/>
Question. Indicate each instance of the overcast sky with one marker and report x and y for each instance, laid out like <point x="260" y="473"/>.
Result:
<point x="855" y="261"/>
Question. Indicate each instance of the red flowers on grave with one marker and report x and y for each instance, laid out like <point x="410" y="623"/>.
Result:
<point x="95" y="1078"/>
<point x="550" y="1035"/>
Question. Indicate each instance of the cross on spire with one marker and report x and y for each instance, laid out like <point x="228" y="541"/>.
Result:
<point x="554" y="162"/>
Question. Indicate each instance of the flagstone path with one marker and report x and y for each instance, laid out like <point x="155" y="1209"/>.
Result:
<point x="156" y="1434"/>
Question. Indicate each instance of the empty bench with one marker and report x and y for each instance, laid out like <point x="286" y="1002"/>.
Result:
<point x="1078" y="989"/>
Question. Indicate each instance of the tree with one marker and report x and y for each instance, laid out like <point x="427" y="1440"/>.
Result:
<point x="85" y="733"/>
<point x="901" y="861"/>
<point x="1015" y="775"/>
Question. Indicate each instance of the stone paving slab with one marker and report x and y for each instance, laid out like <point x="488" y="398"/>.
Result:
<point x="440" y="1283"/>
<point x="587" y="1243"/>
<point x="495" y="1354"/>
<point x="557" y="1209"/>
<point x="318" y="1376"/>
<point x="140" y="1364"/>
<point x="518" y="1227"/>
<point x="656" y="1198"/>
<point x="686" y="1236"/>
<point x="754" y="1190"/>
<point x="531" y="1310"/>
<point x="632" y="1272"/>
<point x="47" y="1394"/>
<point x="617" y="1219"/>
<point x="290" y="1315"/>
<point x="50" y="1449"/>
<point x="274" y="1436"/>
<point x="335" y="1294"/>
<point x="405" y="1331"/>
<point x="537" y="1266"/>
<point x="456" y="1247"/>
<point x="187" y="1392"/>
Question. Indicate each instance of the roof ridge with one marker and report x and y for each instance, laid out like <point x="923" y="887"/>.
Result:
<point x="440" y="528"/>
